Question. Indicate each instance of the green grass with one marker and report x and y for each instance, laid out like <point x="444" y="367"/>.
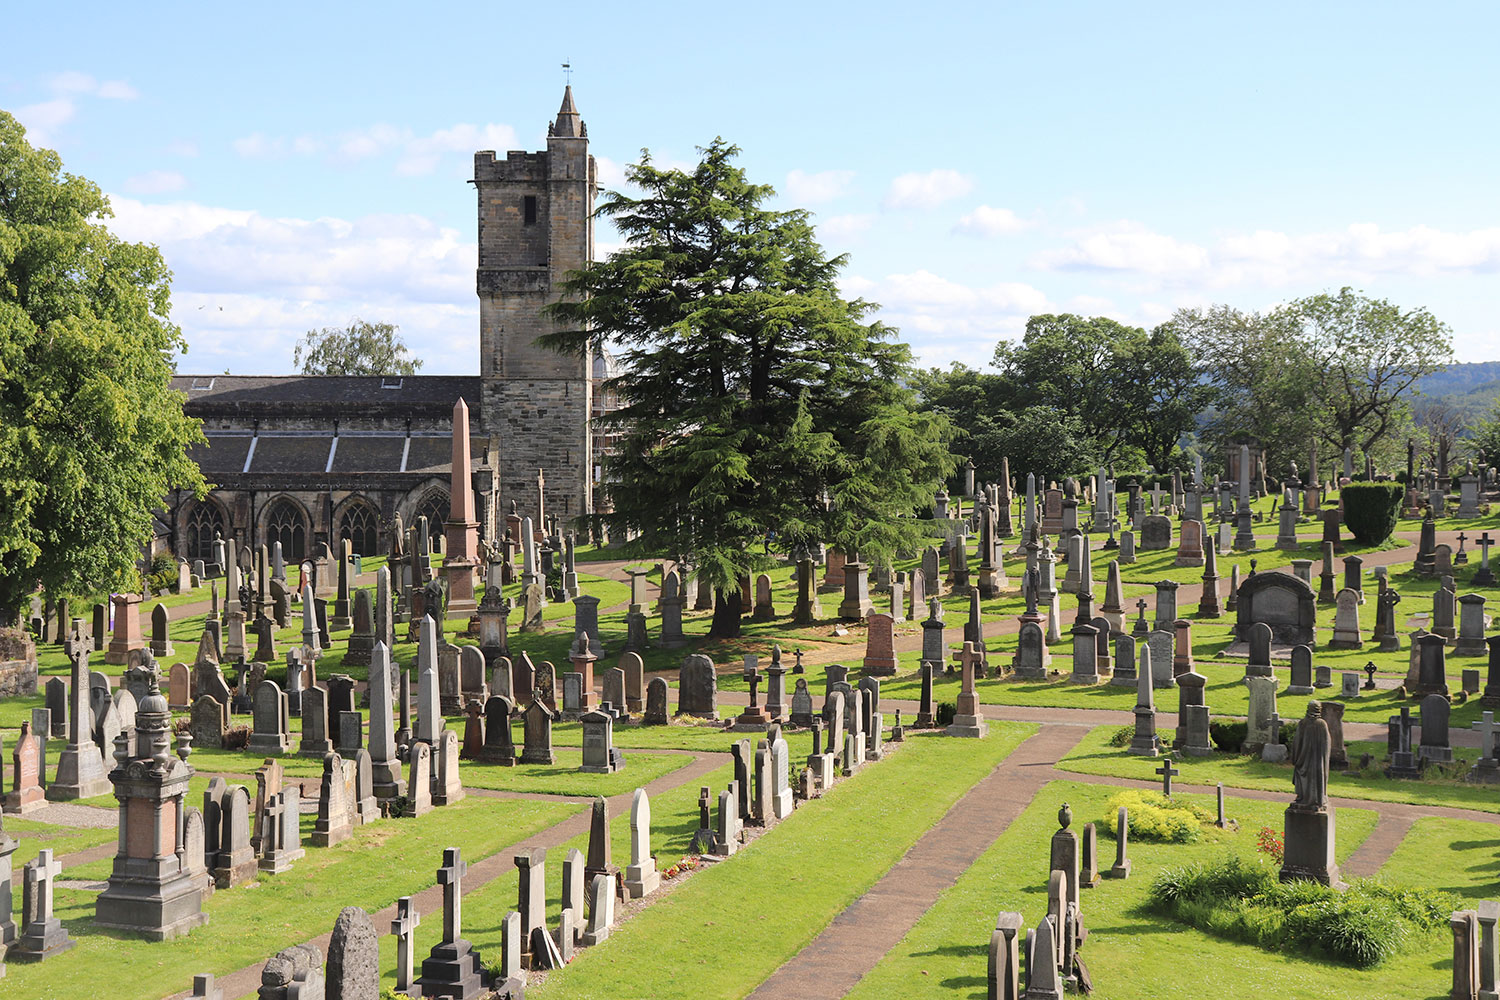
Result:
<point x="1093" y="755"/>
<point x="1470" y="868"/>
<point x="250" y="923"/>
<point x="564" y="778"/>
<point x="1131" y="952"/>
<point x="777" y="895"/>
<point x="32" y="836"/>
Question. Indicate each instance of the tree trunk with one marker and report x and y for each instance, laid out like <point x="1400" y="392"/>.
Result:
<point x="726" y="624"/>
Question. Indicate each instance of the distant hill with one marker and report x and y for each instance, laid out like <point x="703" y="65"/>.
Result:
<point x="1471" y="389"/>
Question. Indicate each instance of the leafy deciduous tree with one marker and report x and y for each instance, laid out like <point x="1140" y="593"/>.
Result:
<point x="361" y="348"/>
<point x="92" y="437"/>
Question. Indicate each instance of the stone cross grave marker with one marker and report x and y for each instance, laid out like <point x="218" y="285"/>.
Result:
<point x="1167" y="772"/>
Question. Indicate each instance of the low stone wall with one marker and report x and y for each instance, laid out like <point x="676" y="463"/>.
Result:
<point x="17" y="663"/>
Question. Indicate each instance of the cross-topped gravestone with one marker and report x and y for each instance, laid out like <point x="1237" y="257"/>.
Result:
<point x="1486" y="728"/>
<point x="451" y="877"/>
<point x="453" y="968"/>
<point x="1167" y="772"/>
<point x="405" y="928"/>
<point x="1483" y="577"/>
<point x="44" y="935"/>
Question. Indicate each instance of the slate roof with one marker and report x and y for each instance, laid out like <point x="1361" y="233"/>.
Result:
<point x="412" y="394"/>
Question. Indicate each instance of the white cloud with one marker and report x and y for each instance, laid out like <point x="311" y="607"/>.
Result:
<point x="843" y="228"/>
<point x="1126" y="246"/>
<point x="422" y="154"/>
<point x="253" y="145"/>
<point x="414" y="154"/>
<point x="44" y="119"/>
<point x="117" y="90"/>
<point x="275" y="278"/>
<point x="927" y="190"/>
<point x="1268" y="258"/>
<point x="987" y="221"/>
<point x="947" y="321"/>
<point x="611" y="173"/>
<point x="803" y="188"/>
<point x="156" y="182"/>
<point x="74" y="82"/>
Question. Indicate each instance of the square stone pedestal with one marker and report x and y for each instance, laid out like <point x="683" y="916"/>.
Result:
<point x="971" y="726"/>
<point x="1309" y="844"/>
<point x="452" y="970"/>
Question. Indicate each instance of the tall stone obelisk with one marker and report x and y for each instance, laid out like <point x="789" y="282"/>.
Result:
<point x="461" y="555"/>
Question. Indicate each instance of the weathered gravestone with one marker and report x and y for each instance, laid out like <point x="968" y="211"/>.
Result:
<point x="1281" y="601"/>
<point x="697" y="687"/>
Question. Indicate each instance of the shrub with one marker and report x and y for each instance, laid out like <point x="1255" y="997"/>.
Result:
<point x="1228" y="736"/>
<point x="1269" y="842"/>
<point x="945" y="712"/>
<point x="1156" y="818"/>
<point x="1242" y="900"/>
<point x="1121" y="737"/>
<point x="236" y="737"/>
<point x="1371" y="510"/>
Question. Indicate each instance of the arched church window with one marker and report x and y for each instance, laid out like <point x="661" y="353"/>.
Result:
<point x="361" y="525"/>
<point x="286" y="524"/>
<point x="204" y="524"/>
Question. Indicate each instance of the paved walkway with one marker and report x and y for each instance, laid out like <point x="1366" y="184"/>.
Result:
<point x="873" y="924"/>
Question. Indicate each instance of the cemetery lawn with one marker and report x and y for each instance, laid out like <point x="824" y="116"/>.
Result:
<point x="1473" y="871"/>
<point x="1094" y="755"/>
<point x="31" y="836"/>
<point x="249" y="923"/>
<point x="1132" y="952"/>
<point x="766" y="903"/>
<point x="564" y="778"/>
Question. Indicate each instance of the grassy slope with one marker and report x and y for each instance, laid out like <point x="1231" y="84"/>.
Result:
<point x="1131" y="952"/>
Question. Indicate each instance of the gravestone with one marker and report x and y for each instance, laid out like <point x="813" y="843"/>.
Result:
<point x="1301" y="671"/>
<point x="656" y="703"/>
<point x="600" y="756"/>
<point x="353" y="957"/>
<point x="499" y="746"/>
<point x="453" y="968"/>
<point x="1346" y="634"/>
<point x="1156" y="533"/>
<point x="1436" y="713"/>
<point x="880" y="646"/>
<point x="418" y="780"/>
<point x="537" y="727"/>
<point x="270" y="734"/>
<point x="1282" y="602"/>
<point x="335" y="821"/>
<point x="697" y="687"/>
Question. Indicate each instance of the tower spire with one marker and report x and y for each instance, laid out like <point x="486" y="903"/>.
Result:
<point x="568" y="125"/>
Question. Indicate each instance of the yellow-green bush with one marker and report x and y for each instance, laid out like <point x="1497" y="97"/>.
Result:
<point x="1156" y="818"/>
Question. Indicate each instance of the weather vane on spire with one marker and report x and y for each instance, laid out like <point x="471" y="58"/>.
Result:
<point x="568" y="72"/>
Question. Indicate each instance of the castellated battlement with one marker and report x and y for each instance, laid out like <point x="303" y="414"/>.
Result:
<point x="518" y="165"/>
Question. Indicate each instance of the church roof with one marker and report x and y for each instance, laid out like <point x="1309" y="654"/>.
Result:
<point x="414" y="394"/>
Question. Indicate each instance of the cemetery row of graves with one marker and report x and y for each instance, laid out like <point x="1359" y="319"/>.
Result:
<point x="311" y="747"/>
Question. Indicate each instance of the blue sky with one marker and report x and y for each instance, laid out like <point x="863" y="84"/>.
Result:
<point x="306" y="164"/>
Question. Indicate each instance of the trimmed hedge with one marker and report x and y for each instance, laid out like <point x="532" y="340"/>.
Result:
<point x="1371" y="510"/>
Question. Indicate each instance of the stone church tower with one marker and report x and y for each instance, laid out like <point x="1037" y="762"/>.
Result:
<point x="536" y="223"/>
